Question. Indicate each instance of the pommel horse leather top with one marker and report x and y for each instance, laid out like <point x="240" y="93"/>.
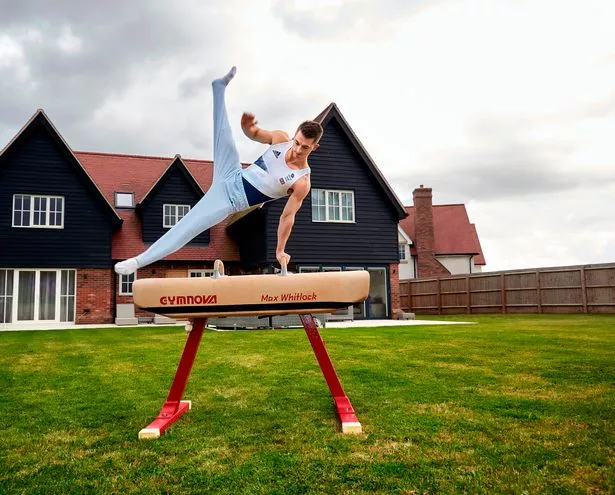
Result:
<point x="200" y="298"/>
<point x="240" y="295"/>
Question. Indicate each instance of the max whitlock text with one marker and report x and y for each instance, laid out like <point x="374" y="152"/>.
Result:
<point x="289" y="297"/>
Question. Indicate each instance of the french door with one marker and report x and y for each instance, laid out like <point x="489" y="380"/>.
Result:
<point x="33" y="296"/>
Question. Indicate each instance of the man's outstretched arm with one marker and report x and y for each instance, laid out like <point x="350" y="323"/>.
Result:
<point x="258" y="134"/>
<point x="301" y="188"/>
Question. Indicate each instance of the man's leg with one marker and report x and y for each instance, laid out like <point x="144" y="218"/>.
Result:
<point x="226" y="157"/>
<point x="214" y="206"/>
<point x="209" y="211"/>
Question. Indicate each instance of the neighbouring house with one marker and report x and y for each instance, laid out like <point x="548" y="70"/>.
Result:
<point x="66" y="217"/>
<point x="437" y="240"/>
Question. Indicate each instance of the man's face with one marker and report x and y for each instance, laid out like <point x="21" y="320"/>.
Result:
<point x="303" y="146"/>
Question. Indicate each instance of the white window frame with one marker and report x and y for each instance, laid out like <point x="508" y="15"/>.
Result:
<point x="402" y="252"/>
<point x="121" y="198"/>
<point x="7" y="295"/>
<point x="327" y="206"/>
<point x="68" y="295"/>
<point x="123" y="280"/>
<point x="31" y="212"/>
<point x="200" y="273"/>
<point x="174" y="214"/>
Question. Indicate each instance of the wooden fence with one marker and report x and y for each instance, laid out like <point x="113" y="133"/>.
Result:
<point x="572" y="289"/>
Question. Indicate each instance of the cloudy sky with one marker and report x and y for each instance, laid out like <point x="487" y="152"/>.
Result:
<point x="507" y="106"/>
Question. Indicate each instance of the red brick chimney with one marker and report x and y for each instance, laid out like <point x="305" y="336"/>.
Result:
<point x="427" y="265"/>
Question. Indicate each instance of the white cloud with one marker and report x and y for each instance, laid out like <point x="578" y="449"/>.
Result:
<point x="12" y="58"/>
<point x="68" y="42"/>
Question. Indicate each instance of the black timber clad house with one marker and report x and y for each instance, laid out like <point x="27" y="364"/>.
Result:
<point x="38" y="162"/>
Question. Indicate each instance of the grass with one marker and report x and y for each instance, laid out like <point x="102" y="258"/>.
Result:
<point x="513" y="404"/>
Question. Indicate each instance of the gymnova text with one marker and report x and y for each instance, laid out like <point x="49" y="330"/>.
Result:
<point x="188" y="300"/>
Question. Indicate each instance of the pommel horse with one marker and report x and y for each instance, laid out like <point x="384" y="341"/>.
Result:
<point x="198" y="299"/>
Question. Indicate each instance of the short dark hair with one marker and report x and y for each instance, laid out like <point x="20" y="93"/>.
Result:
<point x="311" y="129"/>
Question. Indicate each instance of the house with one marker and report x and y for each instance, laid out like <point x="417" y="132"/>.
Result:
<point x="437" y="240"/>
<point x="66" y="217"/>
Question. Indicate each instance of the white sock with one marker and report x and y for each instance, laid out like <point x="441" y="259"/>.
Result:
<point x="227" y="79"/>
<point x="127" y="267"/>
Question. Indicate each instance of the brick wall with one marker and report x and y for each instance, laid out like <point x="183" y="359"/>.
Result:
<point x="94" y="296"/>
<point x="394" y="285"/>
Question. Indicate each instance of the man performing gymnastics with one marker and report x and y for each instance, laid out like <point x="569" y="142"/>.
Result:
<point x="281" y="171"/>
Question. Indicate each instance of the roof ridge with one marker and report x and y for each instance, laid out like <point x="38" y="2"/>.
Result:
<point x="150" y="157"/>
<point x="439" y="204"/>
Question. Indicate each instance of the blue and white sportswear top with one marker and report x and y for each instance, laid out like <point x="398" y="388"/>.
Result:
<point x="269" y="177"/>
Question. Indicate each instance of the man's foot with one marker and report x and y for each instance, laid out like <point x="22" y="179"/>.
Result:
<point x="127" y="267"/>
<point x="226" y="79"/>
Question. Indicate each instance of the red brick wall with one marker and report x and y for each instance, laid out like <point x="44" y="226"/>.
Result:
<point x="427" y="265"/>
<point x="94" y="296"/>
<point x="394" y="284"/>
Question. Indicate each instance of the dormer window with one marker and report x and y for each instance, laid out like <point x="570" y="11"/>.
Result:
<point x="172" y="214"/>
<point x="124" y="200"/>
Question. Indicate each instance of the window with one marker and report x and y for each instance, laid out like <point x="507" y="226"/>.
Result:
<point x="200" y="273"/>
<point x="6" y="296"/>
<point x="38" y="211"/>
<point x="402" y="252"/>
<point x="173" y="214"/>
<point x="67" y="295"/>
<point x="126" y="284"/>
<point x="124" y="200"/>
<point x="332" y="206"/>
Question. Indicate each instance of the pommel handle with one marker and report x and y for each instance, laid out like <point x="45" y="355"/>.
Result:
<point x="218" y="269"/>
<point x="284" y="271"/>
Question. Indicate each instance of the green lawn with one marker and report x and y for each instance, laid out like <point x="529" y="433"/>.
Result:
<point x="512" y="404"/>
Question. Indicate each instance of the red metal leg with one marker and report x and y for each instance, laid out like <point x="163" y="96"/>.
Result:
<point x="173" y="408"/>
<point x="348" y="418"/>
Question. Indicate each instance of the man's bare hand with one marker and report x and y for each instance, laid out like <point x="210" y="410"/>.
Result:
<point x="283" y="258"/>
<point x="248" y="120"/>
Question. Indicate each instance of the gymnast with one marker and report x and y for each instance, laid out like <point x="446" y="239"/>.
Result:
<point x="282" y="170"/>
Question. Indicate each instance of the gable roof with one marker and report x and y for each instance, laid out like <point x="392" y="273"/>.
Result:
<point x="333" y="112"/>
<point x="176" y="164"/>
<point x="453" y="232"/>
<point x="40" y="119"/>
<point x="140" y="175"/>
